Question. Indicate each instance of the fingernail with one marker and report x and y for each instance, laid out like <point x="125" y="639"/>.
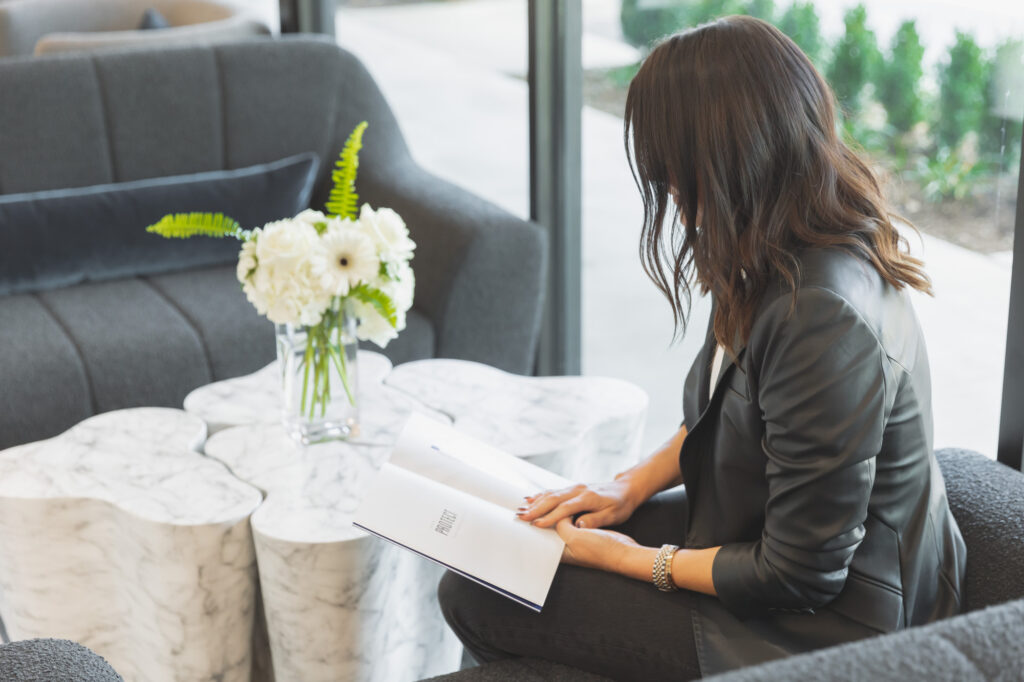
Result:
<point x="580" y="524"/>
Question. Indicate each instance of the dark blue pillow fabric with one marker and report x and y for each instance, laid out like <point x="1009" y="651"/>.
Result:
<point x="59" y="238"/>
<point x="152" y="19"/>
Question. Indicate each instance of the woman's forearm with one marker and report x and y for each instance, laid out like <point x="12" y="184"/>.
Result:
<point x="657" y="472"/>
<point x="691" y="568"/>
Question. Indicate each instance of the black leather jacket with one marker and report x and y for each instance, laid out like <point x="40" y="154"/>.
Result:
<point x="811" y="464"/>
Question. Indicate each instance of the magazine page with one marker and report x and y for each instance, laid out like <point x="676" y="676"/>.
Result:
<point x="440" y="452"/>
<point x="474" y="537"/>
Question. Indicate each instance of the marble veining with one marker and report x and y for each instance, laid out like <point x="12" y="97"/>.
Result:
<point x="256" y="398"/>
<point x="584" y="428"/>
<point x="119" y="535"/>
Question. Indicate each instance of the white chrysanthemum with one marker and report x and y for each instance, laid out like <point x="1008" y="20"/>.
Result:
<point x="311" y="217"/>
<point x="388" y="231"/>
<point x="349" y="258"/>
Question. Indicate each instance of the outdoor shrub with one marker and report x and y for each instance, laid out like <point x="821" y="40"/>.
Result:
<point x="643" y="25"/>
<point x="762" y="9"/>
<point x="899" y="88"/>
<point x="951" y="173"/>
<point x="963" y="91"/>
<point x="800" y="22"/>
<point x="855" y="60"/>
<point x="1001" y="135"/>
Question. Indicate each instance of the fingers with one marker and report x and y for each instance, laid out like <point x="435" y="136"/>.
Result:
<point x="598" y="519"/>
<point x="544" y="502"/>
<point x="562" y="512"/>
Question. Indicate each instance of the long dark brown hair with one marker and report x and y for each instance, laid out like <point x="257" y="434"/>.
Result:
<point x="734" y="121"/>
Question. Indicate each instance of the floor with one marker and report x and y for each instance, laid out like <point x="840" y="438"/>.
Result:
<point x="453" y="73"/>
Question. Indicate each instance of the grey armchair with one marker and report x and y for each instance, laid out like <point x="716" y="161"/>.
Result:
<point x="86" y="119"/>
<point x="53" y="660"/>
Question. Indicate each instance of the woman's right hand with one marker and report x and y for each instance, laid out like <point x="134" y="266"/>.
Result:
<point x="602" y="504"/>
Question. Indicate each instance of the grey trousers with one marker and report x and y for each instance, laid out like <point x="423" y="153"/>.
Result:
<point x="592" y="620"/>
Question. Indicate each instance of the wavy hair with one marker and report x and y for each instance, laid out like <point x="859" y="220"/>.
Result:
<point x="733" y="122"/>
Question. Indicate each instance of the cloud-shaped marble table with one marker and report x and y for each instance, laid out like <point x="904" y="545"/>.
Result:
<point x="119" y="535"/>
<point x="340" y="604"/>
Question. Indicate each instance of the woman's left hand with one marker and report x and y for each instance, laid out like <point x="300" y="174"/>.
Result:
<point x="594" y="547"/>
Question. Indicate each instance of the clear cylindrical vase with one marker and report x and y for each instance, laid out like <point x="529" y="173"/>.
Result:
<point x="319" y="379"/>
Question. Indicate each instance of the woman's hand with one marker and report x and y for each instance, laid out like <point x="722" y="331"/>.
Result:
<point x="608" y="504"/>
<point x="595" y="548"/>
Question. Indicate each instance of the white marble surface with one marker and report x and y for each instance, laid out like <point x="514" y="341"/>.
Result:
<point x="339" y="604"/>
<point x="584" y="428"/>
<point x="256" y="398"/>
<point x="119" y="535"/>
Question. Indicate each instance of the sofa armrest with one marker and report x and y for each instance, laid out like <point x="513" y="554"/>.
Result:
<point x="480" y="271"/>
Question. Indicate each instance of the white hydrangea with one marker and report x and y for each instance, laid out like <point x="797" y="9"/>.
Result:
<point x="389" y="233"/>
<point x="285" y="286"/>
<point x="372" y="326"/>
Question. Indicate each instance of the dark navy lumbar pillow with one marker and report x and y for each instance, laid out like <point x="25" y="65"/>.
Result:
<point x="152" y="19"/>
<point x="57" y="238"/>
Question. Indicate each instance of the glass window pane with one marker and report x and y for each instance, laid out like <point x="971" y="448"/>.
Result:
<point x="933" y="94"/>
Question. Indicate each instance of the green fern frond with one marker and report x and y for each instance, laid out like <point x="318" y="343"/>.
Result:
<point x="343" y="200"/>
<point x="381" y="302"/>
<point x="184" y="225"/>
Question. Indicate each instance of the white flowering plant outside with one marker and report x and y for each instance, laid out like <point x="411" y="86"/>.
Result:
<point x="316" y="268"/>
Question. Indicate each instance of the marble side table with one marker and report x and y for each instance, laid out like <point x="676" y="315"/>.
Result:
<point x="339" y="604"/>
<point x="118" y="534"/>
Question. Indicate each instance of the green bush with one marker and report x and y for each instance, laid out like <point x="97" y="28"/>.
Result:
<point x="800" y="22"/>
<point x="854" y="61"/>
<point x="963" y="91"/>
<point x="642" y="26"/>
<point x="1001" y="134"/>
<point x="899" y="88"/>
<point x="762" y="9"/>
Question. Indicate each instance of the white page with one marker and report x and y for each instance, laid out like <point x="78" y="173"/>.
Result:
<point x="478" y="539"/>
<point x="439" y="452"/>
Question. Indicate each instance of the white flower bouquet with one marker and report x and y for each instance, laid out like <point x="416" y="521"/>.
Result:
<point x="319" y="271"/>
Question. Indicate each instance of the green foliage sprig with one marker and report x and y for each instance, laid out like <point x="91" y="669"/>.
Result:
<point x="185" y="225"/>
<point x="343" y="201"/>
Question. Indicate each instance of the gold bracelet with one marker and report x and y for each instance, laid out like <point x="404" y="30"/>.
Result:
<point x="661" y="572"/>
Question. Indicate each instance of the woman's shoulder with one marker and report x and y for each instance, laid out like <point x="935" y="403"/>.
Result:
<point x="836" y="284"/>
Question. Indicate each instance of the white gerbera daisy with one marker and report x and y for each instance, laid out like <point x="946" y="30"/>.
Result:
<point x="350" y="259"/>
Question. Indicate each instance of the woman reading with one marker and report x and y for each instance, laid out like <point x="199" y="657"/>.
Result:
<point x="800" y="504"/>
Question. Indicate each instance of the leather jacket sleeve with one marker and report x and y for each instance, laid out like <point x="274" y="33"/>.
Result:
<point x="822" y="381"/>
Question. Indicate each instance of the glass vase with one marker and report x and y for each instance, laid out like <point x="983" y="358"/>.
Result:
<point x="319" y="379"/>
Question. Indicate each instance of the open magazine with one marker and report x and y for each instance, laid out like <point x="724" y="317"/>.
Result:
<point x="452" y="499"/>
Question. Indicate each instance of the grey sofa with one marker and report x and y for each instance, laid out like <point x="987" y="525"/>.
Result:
<point x="151" y="336"/>
<point x="53" y="660"/>
<point x="986" y="642"/>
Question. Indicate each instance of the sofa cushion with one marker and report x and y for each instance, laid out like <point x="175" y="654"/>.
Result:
<point x="984" y="645"/>
<point x="987" y="500"/>
<point x="58" y="238"/>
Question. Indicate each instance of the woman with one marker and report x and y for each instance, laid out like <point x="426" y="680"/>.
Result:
<point x="813" y="511"/>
